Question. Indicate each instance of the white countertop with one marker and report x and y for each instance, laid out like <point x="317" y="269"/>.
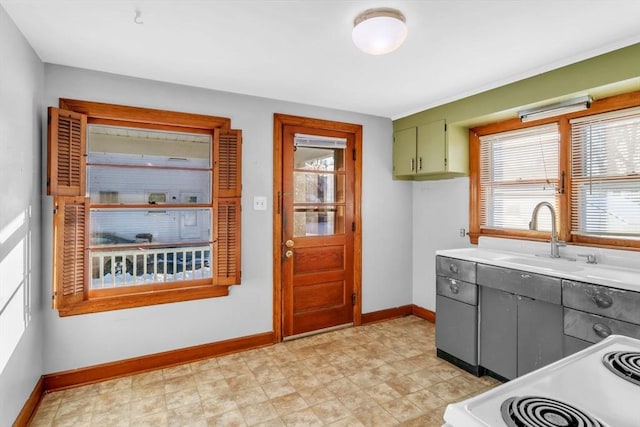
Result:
<point x="612" y="268"/>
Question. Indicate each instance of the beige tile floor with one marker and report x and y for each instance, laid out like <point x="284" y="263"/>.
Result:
<point x="383" y="374"/>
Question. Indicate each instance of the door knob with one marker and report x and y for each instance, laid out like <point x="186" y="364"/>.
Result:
<point x="288" y="254"/>
<point x="289" y="243"/>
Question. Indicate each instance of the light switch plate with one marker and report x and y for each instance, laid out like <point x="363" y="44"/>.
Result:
<point x="259" y="203"/>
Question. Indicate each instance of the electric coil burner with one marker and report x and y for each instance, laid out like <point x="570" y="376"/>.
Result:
<point x="535" y="411"/>
<point x="580" y="390"/>
<point x="625" y="364"/>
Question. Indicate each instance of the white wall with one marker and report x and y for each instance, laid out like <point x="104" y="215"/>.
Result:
<point x="77" y="341"/>
<point x="440" y="209"/>
<point x="21" y="302"/>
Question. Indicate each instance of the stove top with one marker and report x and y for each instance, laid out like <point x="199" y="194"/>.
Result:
<point x="625" y="364"/>
<point x="579" y="390"/>
<point x="544" y="412"/>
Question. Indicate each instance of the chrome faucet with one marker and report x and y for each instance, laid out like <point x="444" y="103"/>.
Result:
<point x="533" y="225"/>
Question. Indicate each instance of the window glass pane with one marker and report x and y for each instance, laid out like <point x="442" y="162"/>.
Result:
<point x="131" y="185"/>
<point x="144" y="147"/>
<point x="511" y="207"/>
<point x="610" y="207"/>
<point x="318" y="187"/>
<point x="113" y="227"/>
<point x="319" y="159"/>
<point x="318" y="220"/>
<point x="518" y="170"/>
<point x="134" y="246"/>
<point x="606" y="174"/>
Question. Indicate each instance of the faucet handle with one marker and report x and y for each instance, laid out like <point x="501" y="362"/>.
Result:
<point x="591" y="258"/>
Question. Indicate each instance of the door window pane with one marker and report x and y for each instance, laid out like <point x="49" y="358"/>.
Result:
<point x="319" y="159"/>
<point x="318" y="220"/>
<point x="310" y="187"/>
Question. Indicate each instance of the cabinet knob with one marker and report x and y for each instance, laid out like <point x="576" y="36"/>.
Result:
<point x="453" y="285"/>
<point x="601" y="330"/>
<point x="602" y="300"/>
<point x="453" y="268"/>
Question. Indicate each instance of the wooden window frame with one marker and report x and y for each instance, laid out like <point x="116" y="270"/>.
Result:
<point x="604" y="105"/>
<point x="71" y="292"/>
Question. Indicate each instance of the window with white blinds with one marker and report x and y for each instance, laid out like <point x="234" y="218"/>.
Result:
<point x="605" y="174"/>
<point x="518" y="169"/>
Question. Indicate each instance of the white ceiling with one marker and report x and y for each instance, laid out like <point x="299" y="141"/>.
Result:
<point x="301" y="50"/>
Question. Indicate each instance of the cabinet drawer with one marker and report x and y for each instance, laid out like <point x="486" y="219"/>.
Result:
<point x="532" y="285"/>
<point x="593" y="328"/>
<point x="615" y="303"/>
<point x="457" y="290"/>
<point x="456" y="269"/>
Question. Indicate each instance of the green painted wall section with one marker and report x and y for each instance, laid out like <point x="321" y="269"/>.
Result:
<point x="614" y="72"/>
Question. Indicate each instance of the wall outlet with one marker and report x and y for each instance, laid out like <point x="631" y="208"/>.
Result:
<point x="259" y="203"/>
<point x="463" y="232"/>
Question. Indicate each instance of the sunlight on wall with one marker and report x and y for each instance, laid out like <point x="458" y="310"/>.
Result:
<point x="15" y="302"/>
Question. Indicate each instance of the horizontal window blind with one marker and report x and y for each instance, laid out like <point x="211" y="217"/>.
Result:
<point x="605" y="174"/>
<point x="518" y="169"/>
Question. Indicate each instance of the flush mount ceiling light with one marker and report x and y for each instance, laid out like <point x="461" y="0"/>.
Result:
<point x="379" y="31"/>
<point x="564" y="107"/>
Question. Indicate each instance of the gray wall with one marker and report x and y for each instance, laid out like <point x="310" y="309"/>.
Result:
<point x="440" y="209"/>
<point x="85" y="340"/>
<point x="21" y="300"/>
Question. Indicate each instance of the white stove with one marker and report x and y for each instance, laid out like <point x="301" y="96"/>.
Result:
<point x="579" y="390"/>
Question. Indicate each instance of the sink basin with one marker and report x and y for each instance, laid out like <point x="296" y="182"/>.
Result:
<point x="551" y="264"/>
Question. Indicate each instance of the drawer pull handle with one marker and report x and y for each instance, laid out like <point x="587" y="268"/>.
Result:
<point x="454" y="287"/>
<point x="601" y="330"/>
<point x="602" y="300"/>
<point x="453" y="268"/>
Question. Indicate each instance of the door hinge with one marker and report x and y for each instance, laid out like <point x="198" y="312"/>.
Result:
<point x="55" y="209"/>
<point x="353" y="299"/>
<point x="353" y="226"/>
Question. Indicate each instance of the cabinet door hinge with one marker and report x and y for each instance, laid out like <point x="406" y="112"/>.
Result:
<point x="445" y="127"/>
<point x="353" y="298"/>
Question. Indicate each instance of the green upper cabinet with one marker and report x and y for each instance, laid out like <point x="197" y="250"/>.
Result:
<point x="430" y="151"/>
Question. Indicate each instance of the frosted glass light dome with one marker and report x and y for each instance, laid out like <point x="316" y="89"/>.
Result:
<point x="379" y="31"/>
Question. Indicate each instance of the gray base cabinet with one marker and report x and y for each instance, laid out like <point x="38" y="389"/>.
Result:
<point x="457" y="329"/>
<point x="574" y="345"/>
<point x="498" y="332"/>
<point x="539" y="334"/>
<point x="518" y="334"/>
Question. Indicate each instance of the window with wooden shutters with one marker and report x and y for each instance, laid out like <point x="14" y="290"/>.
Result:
<point x="605" y="174"/>
<point x="518" y="169"/>
<point x="147" y="206"/>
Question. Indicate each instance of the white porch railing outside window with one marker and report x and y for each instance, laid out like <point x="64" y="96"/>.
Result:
<point x="130" y="267"/>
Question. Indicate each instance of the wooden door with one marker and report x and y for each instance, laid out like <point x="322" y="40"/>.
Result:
<point x="318" y="226"/>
